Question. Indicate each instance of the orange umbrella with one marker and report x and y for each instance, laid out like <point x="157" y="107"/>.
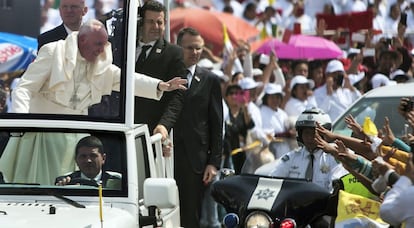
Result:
<point x="210" y="25"/>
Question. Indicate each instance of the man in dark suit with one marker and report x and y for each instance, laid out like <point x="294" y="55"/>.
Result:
<point x="90" y="157"/>
<point x="71" y="12"/>
<point x="198" y="131"/>
<point x="161" y="60"/>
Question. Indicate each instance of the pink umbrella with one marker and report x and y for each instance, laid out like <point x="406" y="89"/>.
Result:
<point x="302" y="47"/>
<point x="272" y="46"/>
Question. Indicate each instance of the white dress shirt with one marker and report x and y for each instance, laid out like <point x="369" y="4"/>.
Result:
<point x="294" y="107"/>
<point x="295" y="163"/>
<point x="335" y="104"/>
<point x="397" y="206"/>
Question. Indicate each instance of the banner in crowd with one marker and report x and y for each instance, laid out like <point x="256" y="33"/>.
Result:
<point x="16" y="52"/>
<point x="358" y="211"/>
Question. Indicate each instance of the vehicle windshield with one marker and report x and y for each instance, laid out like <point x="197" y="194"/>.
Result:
<point x="377" y="109"/>
<point x="38" y="161"/>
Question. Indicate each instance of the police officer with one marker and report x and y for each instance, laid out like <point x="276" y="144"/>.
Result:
<point x="308" y="161"/>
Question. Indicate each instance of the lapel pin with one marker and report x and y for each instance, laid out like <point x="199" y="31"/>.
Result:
<point x="197" y="78"/>
<point x="158" y="50"/>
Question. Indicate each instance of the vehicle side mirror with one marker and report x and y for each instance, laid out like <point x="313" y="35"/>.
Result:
<point x="160" y="192"/>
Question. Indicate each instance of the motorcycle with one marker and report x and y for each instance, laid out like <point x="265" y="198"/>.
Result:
<point x="254" y="201"/>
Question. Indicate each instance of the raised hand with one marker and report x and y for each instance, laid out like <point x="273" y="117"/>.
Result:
<point x="343" y="153"/>
<point x="354" y="126"/>
<point x="173" y="84"/>
<point x="324" y="145"/>
<point x="325" y="133"/>
<point x="387" y="135"/>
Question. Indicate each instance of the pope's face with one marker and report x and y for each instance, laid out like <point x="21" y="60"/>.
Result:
<point x="90" y="161"/>
<point x="92" y="44"/>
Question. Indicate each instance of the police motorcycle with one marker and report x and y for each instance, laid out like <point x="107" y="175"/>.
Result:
<point x="264" y="201"/>
<point x="267" y="202"/>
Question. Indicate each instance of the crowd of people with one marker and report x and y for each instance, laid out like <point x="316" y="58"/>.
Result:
<point x="230" y="104"/>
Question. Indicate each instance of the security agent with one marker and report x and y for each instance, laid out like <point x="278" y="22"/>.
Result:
<point x="308" y="161"/>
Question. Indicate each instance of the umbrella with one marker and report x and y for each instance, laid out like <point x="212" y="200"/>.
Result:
<point x="301" y="47"/>
<point x="268" y="46"/>
<point x="210" y="25"/>
<point x="16" y="51"/>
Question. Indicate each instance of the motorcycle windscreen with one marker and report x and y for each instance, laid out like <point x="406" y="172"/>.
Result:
<point x="293" y="198"/>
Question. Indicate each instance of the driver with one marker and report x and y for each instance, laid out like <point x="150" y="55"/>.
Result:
<point x="308" y="161"/>
<point x="90" y="157"/>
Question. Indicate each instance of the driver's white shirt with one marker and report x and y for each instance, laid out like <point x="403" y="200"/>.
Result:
<point x="97" y="178"/>
<point x="294" y="165"/>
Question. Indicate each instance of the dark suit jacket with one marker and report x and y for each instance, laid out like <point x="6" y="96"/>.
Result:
<point x="58" y="33"/>
<point x="198" y="134"/>
<point x="105" y="177"/>
<point x="164" y="62"/>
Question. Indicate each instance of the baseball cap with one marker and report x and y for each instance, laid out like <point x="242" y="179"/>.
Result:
<point x="300" y="79"/>
<point x="221" y="75"/>
<point x="398" y="73"/>
<point x="256" y="72"/>
<point x="272" y="88"/>
<point x="249" y="83"/>
<point x="334" y="66"/>
<point x="381" y="80"/>
<point x="355" y="78"/>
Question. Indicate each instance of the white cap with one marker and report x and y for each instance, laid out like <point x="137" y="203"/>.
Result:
<point x="272" y="88"/>
<point x="334" y="66"/>
<point x="249" y="83"/>
<point x="299" y="79"/>
<point x="381" y="80"/>
<point x="396" y="73"/>
<point x="256" y="72"/>
<point x="205" y="63"/>
<point x="354" y="51"/>
<point x="221" y="75"/>
<point x="354" y="78"/>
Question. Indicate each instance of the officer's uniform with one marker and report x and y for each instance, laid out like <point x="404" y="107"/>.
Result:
<point x="295" y="163"/>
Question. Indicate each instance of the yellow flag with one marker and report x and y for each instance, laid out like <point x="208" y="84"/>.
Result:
<point x="369" y="127"/>
<point x="263" y="33"/>
<point x="228" y="50"/>
<point x="226" y="39"/>
<point x="358" y="211"/>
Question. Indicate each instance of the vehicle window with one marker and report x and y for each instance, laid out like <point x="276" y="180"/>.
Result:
<point x="377" y="109"/>
<point x="95" y="103"/>
<point x="43" y="159"/>
<point x="142" y="161"/>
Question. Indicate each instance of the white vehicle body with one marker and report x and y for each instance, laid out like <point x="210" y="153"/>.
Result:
<point x="148" y="195"/>
<point x="38" y="206"/>
<point x="377" y="104"/>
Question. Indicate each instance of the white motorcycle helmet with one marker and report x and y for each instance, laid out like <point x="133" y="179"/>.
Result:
<point x="308" y="119"/>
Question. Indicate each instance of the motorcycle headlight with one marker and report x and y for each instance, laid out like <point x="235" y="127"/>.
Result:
<point x="258" y="219"/>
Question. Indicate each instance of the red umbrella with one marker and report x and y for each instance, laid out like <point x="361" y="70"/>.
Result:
<point x="210" y="25"/>
<point x="302" y="47"/>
